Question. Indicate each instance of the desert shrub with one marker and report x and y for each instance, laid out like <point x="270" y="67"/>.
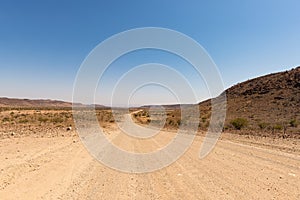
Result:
<point x="262" y="125"/>
<point x="206" y="125"/>
<point x="227" y="127"/>
<point x="16" y="116"/>
<point x="5" y="119"/>
<point x="42" y="119"/>
<point x="57" y="120"/>
<point x="278" y="127"/>
<point x="171" y="122"/>
<point x="23" y="121"/>
<point x="239" y="123"/>
<point x="293" y="123"/>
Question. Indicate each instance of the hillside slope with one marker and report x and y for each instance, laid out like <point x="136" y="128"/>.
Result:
<point x="269" y="103"/>
<point x="268" y="106"/>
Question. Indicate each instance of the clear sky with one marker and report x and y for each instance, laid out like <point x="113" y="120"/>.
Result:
<point x="43" y="43"/>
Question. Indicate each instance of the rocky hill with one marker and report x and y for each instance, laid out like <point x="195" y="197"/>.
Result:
<point x="267" y="104"/>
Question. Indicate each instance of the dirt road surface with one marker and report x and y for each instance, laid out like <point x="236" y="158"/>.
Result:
<point x="61" y="168"/>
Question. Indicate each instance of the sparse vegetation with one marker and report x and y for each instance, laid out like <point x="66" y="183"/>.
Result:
<point x="57" y="120"/>
<point x="43" y="119"/>
<point x="293" y="123"/>
<point x="263" y="125"/>
<point x="26" y="121"/>
<point x="5" y="119"/>
<point x="22" y="121"/>
<point x="278" y="127"/>
<point x="239" y="123"/>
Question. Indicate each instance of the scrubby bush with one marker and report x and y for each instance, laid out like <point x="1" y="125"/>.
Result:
<point x="57" y="120"/>
<point x="293" y="123"/>
<point x="262" y="125"/>
<point x="170" y="122"/>
<point x="42" y="119"/>
<point x="278" y="127"/>
<point x="239" y="123"/>
<point x="23" y="121"/>
<point x="227" y="127"/>
<point x="5" y="119"/>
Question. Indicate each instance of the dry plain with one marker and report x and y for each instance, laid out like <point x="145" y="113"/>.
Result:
<point x="59" y="167"/>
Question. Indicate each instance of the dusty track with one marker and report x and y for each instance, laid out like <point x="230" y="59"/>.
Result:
<point x="61" y="168"/>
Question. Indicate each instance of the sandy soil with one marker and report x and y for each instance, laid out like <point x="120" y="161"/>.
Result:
<point x="61" y="168"/>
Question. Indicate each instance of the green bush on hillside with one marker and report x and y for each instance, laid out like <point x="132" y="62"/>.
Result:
<point x="239" y="123"/>
<point x="293" y="123"/>
<point x="278" y="127"/>
<point x="262" y="125"/>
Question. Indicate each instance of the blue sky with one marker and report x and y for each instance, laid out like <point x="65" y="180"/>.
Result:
<point x="43" y="43"/>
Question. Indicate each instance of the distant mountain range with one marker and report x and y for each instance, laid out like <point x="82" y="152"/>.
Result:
<point x="12" y="102"/>
<point x="39" y="103"/>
